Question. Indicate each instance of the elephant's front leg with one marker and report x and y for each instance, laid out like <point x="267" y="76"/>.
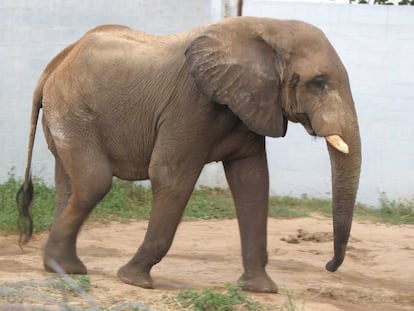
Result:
<point x="248" y="179"/>
<point x="172" y="186"/>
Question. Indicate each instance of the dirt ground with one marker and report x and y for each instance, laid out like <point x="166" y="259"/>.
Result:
<point x="378" y="272"/>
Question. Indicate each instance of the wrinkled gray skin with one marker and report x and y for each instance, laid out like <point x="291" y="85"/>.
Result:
<point x="123" y="103"/>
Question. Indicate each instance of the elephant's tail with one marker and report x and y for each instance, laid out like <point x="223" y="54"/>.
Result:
<point x="25" y="194"/>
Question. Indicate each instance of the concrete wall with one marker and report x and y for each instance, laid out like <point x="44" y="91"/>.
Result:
<point x="376" y="44"/>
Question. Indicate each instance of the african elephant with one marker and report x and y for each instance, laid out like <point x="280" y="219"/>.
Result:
<point x="119" y="102"/>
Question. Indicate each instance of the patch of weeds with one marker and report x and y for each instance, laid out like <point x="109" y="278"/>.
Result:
<point x="396" y="211"/>
<point x="212" y="300"/>
<point x="126" y="200"/>
<point x="57" y="291"/>
<point x="8" y="211"/>
<point x="289" y="207"/>
<point x="210" y="203"/>
<point x="129" y="200"/>
<point x="66" y="292"/>
<point x="42" y="205"/>
<point x="390" y="211"/>
<point x="290" y="304"/>
<point x="83" y="281"/>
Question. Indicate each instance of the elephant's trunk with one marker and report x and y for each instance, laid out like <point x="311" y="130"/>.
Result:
<point x="345" y="179"/>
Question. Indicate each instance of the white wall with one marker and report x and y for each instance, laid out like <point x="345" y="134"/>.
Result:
<point x="376" y="44"/>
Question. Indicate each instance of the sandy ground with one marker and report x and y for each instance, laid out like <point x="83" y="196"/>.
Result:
<point x="378" y="272"/>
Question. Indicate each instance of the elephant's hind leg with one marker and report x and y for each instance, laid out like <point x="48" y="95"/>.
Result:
<point x="79" y="187"/>
<point x="68" y="262"/>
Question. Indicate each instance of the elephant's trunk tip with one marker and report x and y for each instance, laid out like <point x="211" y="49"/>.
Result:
<point x="333" y="265"/>
<point x="338" y="259"/>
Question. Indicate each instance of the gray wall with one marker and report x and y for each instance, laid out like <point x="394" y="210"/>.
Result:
<point x="376" y="44"/>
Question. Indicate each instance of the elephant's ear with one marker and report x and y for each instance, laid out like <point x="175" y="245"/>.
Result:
<point x="240" y="70"/>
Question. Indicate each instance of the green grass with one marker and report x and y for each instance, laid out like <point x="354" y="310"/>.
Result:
<point x="210" y="203"/>
<point x="128" y="200"/>
<point x="42" y="209"/>
<point x="390" y="211"/>
<point x="8" y="212"/>
<point x="83" y="281"/>
<point x="125" y="201"/>
<point x="213" y="300"/>
<point x="290" y="304"/>
<point x="289" y="207"/>
<point x="131" y="201"/>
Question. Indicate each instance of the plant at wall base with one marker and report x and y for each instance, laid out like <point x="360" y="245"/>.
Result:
<point x="132" y="201"/>
<point x="383" y="2"/>
<point x="406" y="2"/>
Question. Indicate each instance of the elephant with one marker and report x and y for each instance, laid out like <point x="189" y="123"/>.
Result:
<point x="123" y="103"/>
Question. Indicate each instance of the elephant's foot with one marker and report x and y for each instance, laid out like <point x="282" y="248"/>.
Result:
<point x="62" y="259"/>
<point x="67" y="264"/>
<point x="258" y="283"/>
<point x="132" y="275"/>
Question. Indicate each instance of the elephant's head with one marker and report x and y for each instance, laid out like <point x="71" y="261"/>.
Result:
<point x="270" y="71"/>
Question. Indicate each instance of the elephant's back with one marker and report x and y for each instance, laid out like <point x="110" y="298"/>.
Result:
<point x="112" y="88"/>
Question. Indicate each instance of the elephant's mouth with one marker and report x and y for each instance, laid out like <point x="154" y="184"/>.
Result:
<point x="303" y="119"/>
<point x="335" y="141"/>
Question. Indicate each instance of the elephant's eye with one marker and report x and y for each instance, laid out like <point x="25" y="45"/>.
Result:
<point x="318" y="82"/>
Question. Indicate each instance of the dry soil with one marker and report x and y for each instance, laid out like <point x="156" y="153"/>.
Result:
<point x="378" y="272"/>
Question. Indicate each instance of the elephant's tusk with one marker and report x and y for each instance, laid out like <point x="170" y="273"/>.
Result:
<point x="337" y="142"/>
